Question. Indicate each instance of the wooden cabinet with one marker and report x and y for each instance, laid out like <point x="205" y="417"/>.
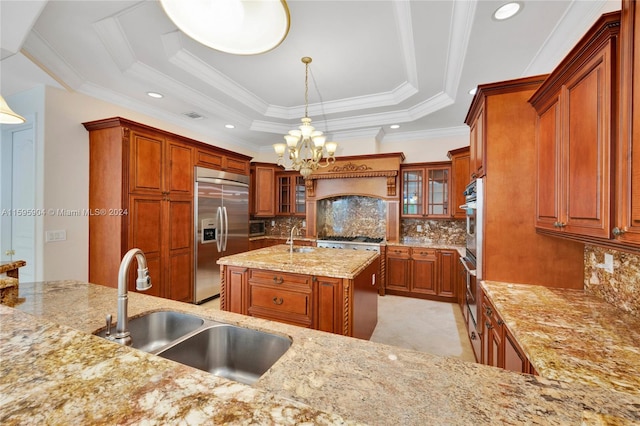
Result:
<point x="626" y="228"/>
<point x="421" y="272"/>
<point x="262" y="199"/>
<point x="459" y="179"/>
<point x="280" y="296"/>
<point x="499" y="346"/>
<point x="577" y="124"/>
<point x="329" y="305"/>
<point x="477" y="141"/>
<point x="142" y="178"/>
<point x="426" y="190"/>
<point x="291" y="194"/>
<point x="509" y="180"/>
<point x="219" y="160"/>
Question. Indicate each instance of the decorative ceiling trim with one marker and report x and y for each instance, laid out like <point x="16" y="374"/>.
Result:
<point x="112" y="35"/>
<point x="404" y="24"/>
<point x="461" y="25"/>
<point x="53" y="63"/>
<point x="425" y="135"/>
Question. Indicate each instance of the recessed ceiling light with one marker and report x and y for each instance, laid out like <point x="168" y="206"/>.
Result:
<point x="155" y="95"/>
<point x="473" y="91"/>
<point x="229" y="126"/>
<point x="507" y="10"/>
<point x="394" y="126"/>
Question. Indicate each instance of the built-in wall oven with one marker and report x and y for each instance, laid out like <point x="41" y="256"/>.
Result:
<point x="472" y="261"/>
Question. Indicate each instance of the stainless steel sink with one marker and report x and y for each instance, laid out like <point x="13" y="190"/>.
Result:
<point x="156" y="330"/>
<point x="302" y="249"/>
<point x="236" y="353"/>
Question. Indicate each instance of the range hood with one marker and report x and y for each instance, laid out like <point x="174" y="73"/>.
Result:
<point x="376" y="176"/>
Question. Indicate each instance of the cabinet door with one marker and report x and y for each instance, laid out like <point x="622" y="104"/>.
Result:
<point x="285" y="190"/>
<point x="145" y="233"/>
<point x="447" y="267"/>
<point x="329" y="312"/>
<point x="587" y="144"/>
<point x="548" y="183"/>
<point x="413" y="192"/>
<point x="235" y="290"/>
<point x="628" y="156"/>
<point x="179" y="222"/>
<point x="459" y="181"/>
<point x="514" y="359"/>
<point x="263" y="189"/>
<point x="424" y="271"/>
<point x="398" y="273"/>
<point x="179" y="169"/>
<point x="438" y="189"/>
<point x="299" y="196"/>
<point x="146" y="162"/>
<point x="477" y="168"/>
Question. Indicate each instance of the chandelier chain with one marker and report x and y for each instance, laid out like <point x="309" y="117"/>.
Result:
<point x="306" y="89"/>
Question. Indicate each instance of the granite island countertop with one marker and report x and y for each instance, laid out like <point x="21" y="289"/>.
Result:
<point x="571" y="336"/>
<point x="316" y="261"/>
<point x="61" y="374"/>
<point x="7" y="266"/>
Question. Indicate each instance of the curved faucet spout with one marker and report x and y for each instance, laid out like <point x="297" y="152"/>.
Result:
<point x="143" y="282"/>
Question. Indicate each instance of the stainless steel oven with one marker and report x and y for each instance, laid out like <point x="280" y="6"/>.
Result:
<point x="474" y="207"/>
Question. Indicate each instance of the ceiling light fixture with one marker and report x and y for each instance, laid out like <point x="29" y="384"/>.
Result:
<point x="306" y="145"/>
<point x="507" y="11"/>
<point x="155" y="95"/>
<point x="394" y="126"/>
<point x="7" y="116"/>
<point x="241" y="27"/>
<point x="229" y="126"/>
<point x="473" y="91"/>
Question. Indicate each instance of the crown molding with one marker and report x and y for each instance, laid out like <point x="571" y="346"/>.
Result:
<point x="424" y="135"/>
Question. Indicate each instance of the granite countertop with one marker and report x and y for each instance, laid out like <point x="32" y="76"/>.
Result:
<point x="571" y="336"/>
<point x="319" y="261"/>
<point x="11" y="265"/>
<point x="52" y="370"/>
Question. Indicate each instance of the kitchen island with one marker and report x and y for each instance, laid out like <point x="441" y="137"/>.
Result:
<point x="54" y="371"/>
<point x="320" y="288"/>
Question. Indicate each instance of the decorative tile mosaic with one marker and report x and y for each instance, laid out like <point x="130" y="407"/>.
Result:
<point x="620" y="288"/>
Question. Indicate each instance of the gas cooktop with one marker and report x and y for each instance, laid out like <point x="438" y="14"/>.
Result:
<point x="357" y="239"/>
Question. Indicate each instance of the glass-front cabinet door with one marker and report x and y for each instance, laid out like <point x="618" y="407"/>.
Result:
<point x="425" y="191"/>
<point x="291" y="194"/>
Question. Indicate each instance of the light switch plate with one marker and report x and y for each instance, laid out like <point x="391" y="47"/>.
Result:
<point x="608" y="263"/>
<point x="55" y="236"/>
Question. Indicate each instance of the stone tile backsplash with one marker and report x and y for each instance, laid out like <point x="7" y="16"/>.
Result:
<point x="620" y="288"/>
<point x="452" y="232"/>
<point x="351" y="216"/>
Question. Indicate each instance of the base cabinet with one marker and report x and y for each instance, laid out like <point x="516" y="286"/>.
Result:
<point x="420" y="272"/>
<point x="499" y="346"/>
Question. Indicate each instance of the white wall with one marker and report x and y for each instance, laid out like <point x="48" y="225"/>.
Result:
<point x="63" y="155"/>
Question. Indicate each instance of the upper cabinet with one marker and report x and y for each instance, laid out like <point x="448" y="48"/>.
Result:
<point x="626" y="228"/>
<point x="476" y="121"/>
<point x="576" y="127"/>
<point x="291" y="194"/>
<point x="459" y="179"/>
<point x="262" y="201"/>
<point x="426" y="190"/>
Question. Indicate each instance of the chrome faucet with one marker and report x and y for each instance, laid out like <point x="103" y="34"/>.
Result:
<point x="290" y="241"/>
<point x="143" y="283"/>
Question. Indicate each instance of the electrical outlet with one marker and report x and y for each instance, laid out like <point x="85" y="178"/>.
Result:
<point x="273" y="223"/>
<point x="55" y="236"/>
<point x="608" y="263"/>
<point x="419" y="228"/>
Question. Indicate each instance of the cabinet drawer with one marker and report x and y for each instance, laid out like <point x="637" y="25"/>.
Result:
<point x="276" y="299"/>
<point x="207" y="159"/>
<point x="423" y="253"/>
<point x="399" y="251"/>
<point x="280" y="279"/>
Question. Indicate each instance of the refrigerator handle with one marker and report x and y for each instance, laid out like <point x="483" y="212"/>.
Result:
<point x="220" y="229"/>
<point x="226" y="228"/>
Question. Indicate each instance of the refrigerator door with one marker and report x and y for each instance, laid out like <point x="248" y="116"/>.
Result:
<point x="222" y="218"/>
<point x="208" y="240"/>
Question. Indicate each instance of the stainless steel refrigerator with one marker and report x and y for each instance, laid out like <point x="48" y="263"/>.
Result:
<point x="222" y="226"/>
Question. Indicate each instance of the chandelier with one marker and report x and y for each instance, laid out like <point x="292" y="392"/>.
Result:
<point x="305" y="146"/>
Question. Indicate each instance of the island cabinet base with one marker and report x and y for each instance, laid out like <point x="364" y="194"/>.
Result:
<point x="336" y="305"/>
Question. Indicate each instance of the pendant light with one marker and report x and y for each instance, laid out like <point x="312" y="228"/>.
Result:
<point x="7" y="116"/>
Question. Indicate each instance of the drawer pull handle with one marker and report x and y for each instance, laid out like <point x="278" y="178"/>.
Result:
<point x="278" y="280"/>
<point x="488" y="324"/>
<point x="278" y="300"/>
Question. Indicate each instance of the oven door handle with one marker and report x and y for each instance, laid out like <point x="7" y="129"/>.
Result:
<point x="466" y="266"/>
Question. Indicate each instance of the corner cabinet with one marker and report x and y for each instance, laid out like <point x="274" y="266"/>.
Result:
<point x="141" y="181"/>
<point x="577" y="125"/>
<point x="460" y="160"/>
<point x="426" y="190"/>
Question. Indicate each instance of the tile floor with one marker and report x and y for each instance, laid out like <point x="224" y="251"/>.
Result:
<point x="422" y="325"/>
